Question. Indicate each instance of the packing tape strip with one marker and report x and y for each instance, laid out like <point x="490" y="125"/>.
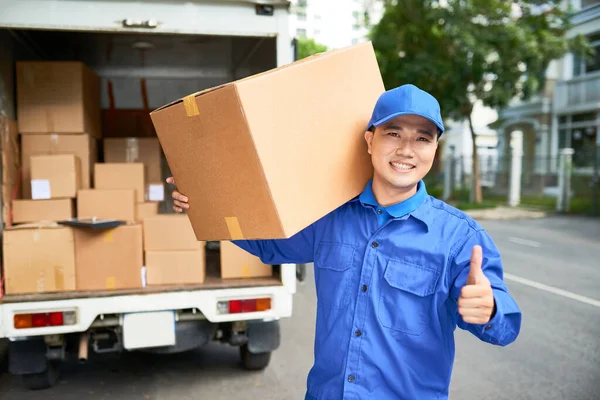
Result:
<point x="111" y="283"/>
<point x="246" y="272"/>
<point x="191" y="108"/>
<point x="233" y="225"/>
<point x="108" y="236"/>
<point x="59" y="277"/>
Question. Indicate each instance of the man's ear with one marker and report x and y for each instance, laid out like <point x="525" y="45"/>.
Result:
<point x="369" y="139"/>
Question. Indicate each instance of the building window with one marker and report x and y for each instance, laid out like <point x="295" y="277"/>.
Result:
<point x="301" y="33"/>
<point x="585" y="65"/>
<point x="588" y="3"/>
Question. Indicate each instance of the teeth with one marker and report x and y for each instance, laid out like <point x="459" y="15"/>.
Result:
<point x="402" y="166"/>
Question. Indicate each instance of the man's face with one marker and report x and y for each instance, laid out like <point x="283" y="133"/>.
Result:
<point x="402" y="150"/>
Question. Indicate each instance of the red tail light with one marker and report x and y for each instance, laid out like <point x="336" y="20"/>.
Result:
<point x="244" y="306"/>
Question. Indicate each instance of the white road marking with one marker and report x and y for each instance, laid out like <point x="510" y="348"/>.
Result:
<point x="552" y="289"/>
<point x="524" y="242"/>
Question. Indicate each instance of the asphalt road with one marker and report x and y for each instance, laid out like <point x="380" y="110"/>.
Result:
<point x="553" y="271"/>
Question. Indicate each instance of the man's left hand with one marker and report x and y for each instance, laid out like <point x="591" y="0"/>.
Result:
<point x="476" y="302"/>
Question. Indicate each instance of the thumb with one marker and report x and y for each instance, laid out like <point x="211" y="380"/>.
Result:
<point x="475" y="271"/>
<point x="171" y="180"/>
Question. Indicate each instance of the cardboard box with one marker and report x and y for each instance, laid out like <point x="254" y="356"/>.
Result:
<point x="136" y="150"/>
<point x="145" y="210"/>
<point x="42" y="210"/>
<point x="266" y="156"/>
<point x="109" y="259"/>
<point x="39" y="259"/>
<point x="175" y="267"/>
<point x="116" y="204"/>
<point x="82" y="146"/>
<point x="55" y="177"/>
<point x="57" y="97"/>
<point x="9" y="143"/>
<point x="169" y="232"/>
<point x="121" y="176"/>
<point x="238" y="263"/>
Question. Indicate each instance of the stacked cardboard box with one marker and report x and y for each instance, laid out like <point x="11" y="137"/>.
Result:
<point x="173" y="255"/>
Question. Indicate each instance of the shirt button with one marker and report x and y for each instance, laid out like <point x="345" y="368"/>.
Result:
<point x="364" y="288"/>
<point x="374" y="245"/>
<point x="487" y="328"/>
<point x="379" y="211"/>
<point x="358" y="332"/>
<point x="351" y="378"/>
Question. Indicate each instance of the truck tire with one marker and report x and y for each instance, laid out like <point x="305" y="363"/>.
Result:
<point x="42" y="380"/>
<point x="254" y="361"/>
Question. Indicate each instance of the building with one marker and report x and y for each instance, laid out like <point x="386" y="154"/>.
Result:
<point x="334" y="23"/>
<point x="565" y="114"/>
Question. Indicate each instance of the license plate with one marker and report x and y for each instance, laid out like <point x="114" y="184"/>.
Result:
<point x="149" y="329"/>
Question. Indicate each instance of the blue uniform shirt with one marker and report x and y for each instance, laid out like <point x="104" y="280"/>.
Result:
<point x="387" y="290"/>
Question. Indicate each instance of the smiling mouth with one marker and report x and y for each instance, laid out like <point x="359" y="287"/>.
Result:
<point x="402" y="167"/>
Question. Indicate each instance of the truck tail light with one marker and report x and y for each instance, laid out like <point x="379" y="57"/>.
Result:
<point x="244" y="306"/>
<point x="42" y="320"/>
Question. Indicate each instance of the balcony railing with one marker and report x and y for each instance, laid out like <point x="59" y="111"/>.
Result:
<point x="577" y="93"/>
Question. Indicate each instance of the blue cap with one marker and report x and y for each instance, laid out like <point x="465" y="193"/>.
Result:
<point x="404" y="100"/>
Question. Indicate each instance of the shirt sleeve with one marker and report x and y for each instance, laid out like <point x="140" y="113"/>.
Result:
<point x="505" y="324"/>
<point x="298" y="249"/>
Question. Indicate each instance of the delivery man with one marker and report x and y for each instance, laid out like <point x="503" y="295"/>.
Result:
<point x="396" y="270"/>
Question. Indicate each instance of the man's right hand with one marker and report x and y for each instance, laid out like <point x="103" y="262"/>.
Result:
<point x="180" y="202"/>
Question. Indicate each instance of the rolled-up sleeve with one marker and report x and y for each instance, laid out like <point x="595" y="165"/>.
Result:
<point x="505" y="325"/>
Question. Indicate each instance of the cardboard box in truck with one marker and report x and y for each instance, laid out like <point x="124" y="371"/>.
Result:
<point x="121" y="176"/>
<point x="38" y="259"/>
<point x="9" y="143"/>
<point x="169" y="232"/>
<point x="55" y="177"/>
<point x="238" y="263"/>
<point x="57" y="97"/>
<point x="116" y="204"/>
<point x="266" y="156"/>
<point x="82" y="146"/>
<point x="175" y="267"/>
<point x="109" y="259"/>
<point x="25" y="211"/>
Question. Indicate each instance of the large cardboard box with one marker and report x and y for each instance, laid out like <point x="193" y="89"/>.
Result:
<point x="121" y="176"/>
<point x="109" y="259"/>
<point x="55" y="177"/>
<point x="42" y="210"/>
<point x="266" y="156"/>
<point x="39" y="259"/>
<point x="136" y="150"/>
<point x="116" y="204"/>
<point x="145" y="210"/>
<point x="169" y="232"/>
<point x="9" y="143"/>
<point x="179" y="267"/>
<point x="238" y="263"/>
<point x="57" y="97"/>
<point x="82" y="146"/>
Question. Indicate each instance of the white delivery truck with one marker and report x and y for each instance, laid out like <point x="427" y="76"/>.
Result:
<point x="171" y="49"/>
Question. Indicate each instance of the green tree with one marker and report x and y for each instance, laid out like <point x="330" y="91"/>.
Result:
<point x="462" y="51"/>
<point x="308" y="47"/>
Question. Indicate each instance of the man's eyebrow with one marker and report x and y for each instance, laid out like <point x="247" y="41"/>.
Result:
<point x="425" y="132"/>
<point x="393" y="126"/>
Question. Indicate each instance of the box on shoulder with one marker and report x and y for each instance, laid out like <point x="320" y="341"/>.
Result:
<point x="268" y="155"/>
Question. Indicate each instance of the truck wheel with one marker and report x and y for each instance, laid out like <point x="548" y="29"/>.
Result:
<point x="42" y="380"/>
<point x="254" y="361"/>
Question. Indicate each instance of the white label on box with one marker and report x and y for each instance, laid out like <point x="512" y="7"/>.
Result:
<point x="40" y="189"/>
<point x="156" y="193"/>
<point x="144" y="280"/>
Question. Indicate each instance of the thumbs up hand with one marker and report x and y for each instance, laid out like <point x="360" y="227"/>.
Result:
<point x="476" y="302"/>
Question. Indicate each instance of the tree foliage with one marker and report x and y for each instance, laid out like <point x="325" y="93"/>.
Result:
<point x="308" y="47"/>
<point x="462" y="51"/>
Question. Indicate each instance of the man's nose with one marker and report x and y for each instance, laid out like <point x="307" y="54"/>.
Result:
<point x="405" y="148"/>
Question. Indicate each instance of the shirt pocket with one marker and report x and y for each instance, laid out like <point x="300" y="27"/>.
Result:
<point x="406" y="294"/>
<point x="333" y="263"/>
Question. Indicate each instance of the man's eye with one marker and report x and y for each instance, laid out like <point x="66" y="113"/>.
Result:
<point x="423" y="139"/>
<point x="393" y="134"/>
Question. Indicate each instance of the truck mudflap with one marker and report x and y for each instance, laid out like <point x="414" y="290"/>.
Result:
<point x="263" y="337"/>
<point x="27" y="356"/>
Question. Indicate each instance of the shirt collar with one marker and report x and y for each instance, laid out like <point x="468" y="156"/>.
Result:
<point x="416" y="205"/>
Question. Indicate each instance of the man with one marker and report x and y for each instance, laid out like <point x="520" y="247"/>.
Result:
<point x="396" y="270"/>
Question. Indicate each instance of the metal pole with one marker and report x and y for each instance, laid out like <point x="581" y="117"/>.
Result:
<point x="516" y="168"/>
<point x="448" y="174"/>
<point x="564" y="179"/>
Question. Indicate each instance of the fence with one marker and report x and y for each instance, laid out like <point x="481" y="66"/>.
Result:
<point x="539" y="180"/>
